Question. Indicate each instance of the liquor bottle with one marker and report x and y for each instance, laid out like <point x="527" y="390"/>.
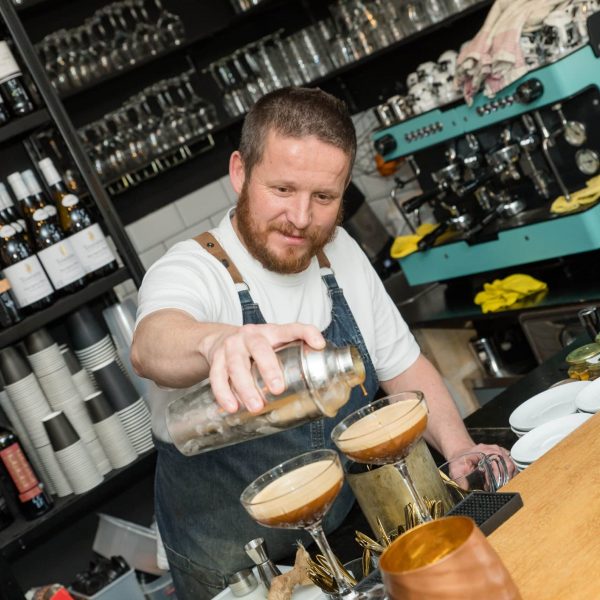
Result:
<point x="4" y="114"/>
<point x="55" y="253"/>
<point x="85" y="234"/>
<point x="12" y="86"/>
<point x="29" y="202"/>
<point x="6" y="517"/>
<point x="36" y="192"/>
<point x="30" y="285"/>
<point x="33" y="501"/>
<point x="9" y="214"/>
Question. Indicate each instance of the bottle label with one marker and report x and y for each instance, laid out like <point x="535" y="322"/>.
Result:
<point x="70" y="200"/>
<point x="28" y="281"/>
<point x="50" y="210"/>
<point x="61" y="264"/>
<point x="91" y="248"/>
<point x="7" y="231"/>
<point x="8" y="65"/>
<point x="20" y="472"/>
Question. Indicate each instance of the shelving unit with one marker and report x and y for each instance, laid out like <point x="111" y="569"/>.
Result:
<point x="23" y="125"/>
<point x="21" y="535"/>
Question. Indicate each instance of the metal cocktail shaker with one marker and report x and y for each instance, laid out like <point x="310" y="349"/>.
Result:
<point x="317" y="384"/>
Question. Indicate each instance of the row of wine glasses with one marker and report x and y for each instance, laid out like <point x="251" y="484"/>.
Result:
<point x="356" y="29"/>
<point x="298" y="493"/>
<point x="115" y="37"/>
<point x="159" y="120"/>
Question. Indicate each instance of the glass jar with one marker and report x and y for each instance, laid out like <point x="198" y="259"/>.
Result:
<point x="580" y="360"/>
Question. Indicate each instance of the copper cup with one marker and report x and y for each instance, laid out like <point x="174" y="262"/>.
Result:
<point x="446" y="559"/>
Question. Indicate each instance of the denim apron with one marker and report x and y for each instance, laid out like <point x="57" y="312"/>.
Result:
<point x="202" y="523"/>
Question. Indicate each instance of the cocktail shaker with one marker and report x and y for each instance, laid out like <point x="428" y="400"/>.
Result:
<point x="317" y="384"/>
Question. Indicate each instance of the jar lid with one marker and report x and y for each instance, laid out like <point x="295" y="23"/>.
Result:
<point x="583" y="353"/>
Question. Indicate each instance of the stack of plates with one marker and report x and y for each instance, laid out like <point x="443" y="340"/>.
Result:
<point x="538" y="441"/>
<point x="588" y="398"/>
<point x="546" y="406"/>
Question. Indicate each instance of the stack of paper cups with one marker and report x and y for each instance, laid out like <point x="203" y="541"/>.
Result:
<point x="72" y="455"/>
<point x="108" y="426"/>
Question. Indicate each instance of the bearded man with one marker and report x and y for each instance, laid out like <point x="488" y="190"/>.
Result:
<point x="278" y="268"/>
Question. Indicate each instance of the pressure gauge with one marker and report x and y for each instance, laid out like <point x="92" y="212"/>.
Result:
<point x="588" y="161"/>
<point x="575" y="133"/>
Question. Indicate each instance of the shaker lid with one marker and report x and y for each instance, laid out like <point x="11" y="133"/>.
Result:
<point x="242" y="582"/>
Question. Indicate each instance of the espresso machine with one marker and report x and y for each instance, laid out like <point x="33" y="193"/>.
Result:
<point x="490" y="172"/>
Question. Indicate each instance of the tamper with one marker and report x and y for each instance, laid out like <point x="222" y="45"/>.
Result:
<point x="256" y="549"/>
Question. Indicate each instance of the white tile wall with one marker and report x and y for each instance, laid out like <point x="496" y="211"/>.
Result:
<point x="153" y="234"/>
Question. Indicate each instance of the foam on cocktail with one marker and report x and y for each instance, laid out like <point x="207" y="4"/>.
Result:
<point x="299" y="497"/>
<point x="385" y="434"/>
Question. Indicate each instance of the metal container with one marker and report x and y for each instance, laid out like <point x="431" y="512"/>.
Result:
<point x="317" y="384"/>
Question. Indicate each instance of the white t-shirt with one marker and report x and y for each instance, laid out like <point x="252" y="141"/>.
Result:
<point x="188" y="278"/>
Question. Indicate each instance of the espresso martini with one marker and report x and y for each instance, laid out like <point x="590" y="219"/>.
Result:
<point x="385" y="435"/>
<point x="298" y="498"/>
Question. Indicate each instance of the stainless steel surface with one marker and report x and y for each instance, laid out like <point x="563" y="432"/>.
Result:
<point x="402" y="293"/>
<point x="242" y="583"/>
<point x="256" y="549"/>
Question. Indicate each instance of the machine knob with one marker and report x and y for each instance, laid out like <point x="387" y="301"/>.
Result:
<point x="529" y="91"/>
<point x="386" y="144"/>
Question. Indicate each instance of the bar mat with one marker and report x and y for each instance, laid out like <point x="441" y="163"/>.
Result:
<point x="489" y="510"/>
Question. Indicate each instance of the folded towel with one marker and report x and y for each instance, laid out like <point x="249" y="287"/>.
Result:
<point x="407" y="244"/>
<point x="587" y="196"/>
<point x="511" y="292"/>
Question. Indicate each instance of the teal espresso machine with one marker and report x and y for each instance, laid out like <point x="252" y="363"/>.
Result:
<point x="491" y="171"/>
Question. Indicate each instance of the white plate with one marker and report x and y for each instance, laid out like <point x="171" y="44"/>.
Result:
<point x="304" y="592"/>
<point x="588" y="399"/>
<point x="538" y="441"/>
<point x="546" y="406"/>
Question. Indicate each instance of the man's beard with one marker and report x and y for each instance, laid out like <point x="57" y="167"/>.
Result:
<point x="255" y="239"/>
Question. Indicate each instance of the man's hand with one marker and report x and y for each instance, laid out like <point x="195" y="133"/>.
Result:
<point x="460" y="468"/>
<point x="230" y="351"/>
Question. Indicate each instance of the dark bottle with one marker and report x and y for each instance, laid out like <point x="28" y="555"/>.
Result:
<point x="33" y="501"/>
<point x="30" y="285"/>
<point x="86" y="236"/>
<point x="4" y="115"/>
<point x="9" y="312"/>
<point x="12" y="86"/>
<point x="9" y="214"/>
<point x="53" y="249"/>
<point x="6" y="517"/>
<point x="38" y="196"/>
<point x="56" y="253"/>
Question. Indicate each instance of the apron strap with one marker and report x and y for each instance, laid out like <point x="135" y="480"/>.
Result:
<point x="209" y="243"/>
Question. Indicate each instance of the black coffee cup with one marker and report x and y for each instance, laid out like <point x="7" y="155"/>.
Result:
<point x="60" y="431"/>
<point x="84" y="328"/>
<point x="38" y="340"/>
<point x="116" y="386"/>
<point x="72" y="362"/>
<point x="13" y="365"/>
<point x="98" y="407"/>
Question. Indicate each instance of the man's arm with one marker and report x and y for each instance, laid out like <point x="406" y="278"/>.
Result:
<point x="445" y="430"/>
<point x="173" y="349"/>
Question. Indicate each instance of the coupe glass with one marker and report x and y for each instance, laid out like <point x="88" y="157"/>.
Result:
<point x="383" y="432"/>
<point x="296" y="495"/>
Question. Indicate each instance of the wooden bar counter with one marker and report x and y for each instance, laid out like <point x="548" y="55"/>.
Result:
<point x="551" y="546"/>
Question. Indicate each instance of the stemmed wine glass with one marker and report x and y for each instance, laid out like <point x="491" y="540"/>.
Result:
<point x="383" y="432"/>
<point x="296" y="495"/>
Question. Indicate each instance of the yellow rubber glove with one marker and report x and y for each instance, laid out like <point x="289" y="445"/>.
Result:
<point x="407" y="244"/>
<point x="511" y="291"/>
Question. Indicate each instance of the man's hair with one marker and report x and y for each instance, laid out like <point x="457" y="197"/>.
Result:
<point x="296" y="112"/>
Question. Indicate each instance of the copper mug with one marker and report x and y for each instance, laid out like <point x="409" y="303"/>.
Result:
<point x="445" y="559"/>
